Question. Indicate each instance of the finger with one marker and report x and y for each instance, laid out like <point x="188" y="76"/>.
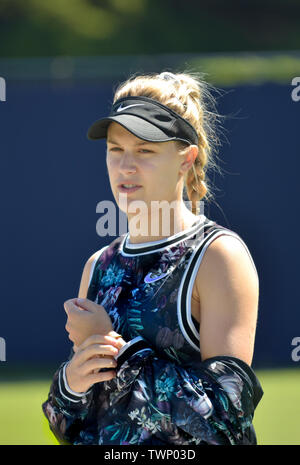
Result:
<point x="75" y="308"/>
<point x="100" y="377"/>
<point x="72" y="337"/>
<point x="87" y="304"/>
<point x="98" y="339"/>
<point x="114" y="334"/>
<point x="119" y="339"/>
<point x="67" y="304"/>
<point x="96" y="350"/>
<point x="119" y="343"/>
<point x="69" y="327"/>
<point x="75" y="313"/>
<point x="97" y="363"/>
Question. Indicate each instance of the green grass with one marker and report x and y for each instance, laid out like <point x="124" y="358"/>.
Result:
<point x="276" y="419"/>
<point x="22" y="418"/>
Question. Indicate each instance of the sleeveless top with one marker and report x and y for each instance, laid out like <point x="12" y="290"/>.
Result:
<point x="146" y="288"/>
<point x="163" y="392"/>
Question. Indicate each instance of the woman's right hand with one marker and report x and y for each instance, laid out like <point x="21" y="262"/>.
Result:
<point x="94" y="353"/>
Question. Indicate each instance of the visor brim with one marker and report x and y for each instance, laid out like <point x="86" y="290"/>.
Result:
<point x="137" y="126"/>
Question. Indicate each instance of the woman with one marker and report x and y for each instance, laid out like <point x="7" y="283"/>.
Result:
<point x="162" y="346"/>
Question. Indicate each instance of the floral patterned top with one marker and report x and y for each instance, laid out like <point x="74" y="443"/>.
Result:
<point x="163" y="392"/>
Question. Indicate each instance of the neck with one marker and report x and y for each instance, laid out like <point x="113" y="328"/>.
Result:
<point x="159" y="225"/>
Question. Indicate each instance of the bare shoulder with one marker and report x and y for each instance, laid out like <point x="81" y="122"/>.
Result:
<point x="85" y="278"/>
<point x="227" y="258"/>
<point x="228" y="290"/>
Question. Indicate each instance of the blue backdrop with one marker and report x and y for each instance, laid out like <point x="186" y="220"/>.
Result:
<point x="53" y="178"/>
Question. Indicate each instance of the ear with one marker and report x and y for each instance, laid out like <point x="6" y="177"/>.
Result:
<point x="189" y="155"/>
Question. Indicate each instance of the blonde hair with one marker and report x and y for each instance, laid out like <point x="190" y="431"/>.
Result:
<point x="189" y="95"/>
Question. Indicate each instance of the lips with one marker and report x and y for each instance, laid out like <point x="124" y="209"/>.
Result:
<point x="128" y="189"/>
<point x="128" y="183"/>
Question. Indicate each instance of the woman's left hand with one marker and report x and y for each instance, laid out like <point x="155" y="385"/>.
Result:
<point x="85" y="318"/>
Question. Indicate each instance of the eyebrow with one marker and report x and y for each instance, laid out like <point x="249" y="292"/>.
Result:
<point x="110" y="141"/>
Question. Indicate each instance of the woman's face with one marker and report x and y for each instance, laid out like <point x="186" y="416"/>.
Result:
<point x="155" y="166"/>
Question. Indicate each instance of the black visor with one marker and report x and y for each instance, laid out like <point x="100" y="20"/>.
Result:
<point x="147" y="119"/>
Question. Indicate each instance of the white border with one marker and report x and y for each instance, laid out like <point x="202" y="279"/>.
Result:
<point x="164" y="242"/>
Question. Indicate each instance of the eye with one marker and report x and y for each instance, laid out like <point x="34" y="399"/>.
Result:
<point x="118" y="149"/>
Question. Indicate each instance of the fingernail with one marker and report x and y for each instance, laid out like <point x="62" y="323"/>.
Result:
<point x="114" y="334"/>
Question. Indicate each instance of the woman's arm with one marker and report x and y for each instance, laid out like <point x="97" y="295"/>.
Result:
<point x="228" y="288"/>
<point x="66" y="409"/>
<point x="72" y="397"/>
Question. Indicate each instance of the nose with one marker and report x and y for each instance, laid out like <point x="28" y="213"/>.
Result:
<point x="127" y="163"/>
